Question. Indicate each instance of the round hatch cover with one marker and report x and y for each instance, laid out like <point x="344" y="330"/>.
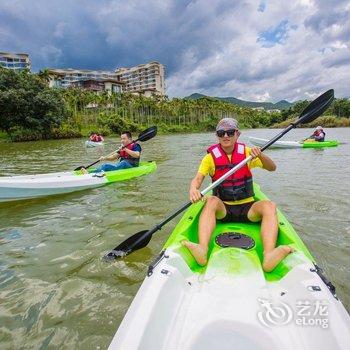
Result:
<point x="234" y="239"/>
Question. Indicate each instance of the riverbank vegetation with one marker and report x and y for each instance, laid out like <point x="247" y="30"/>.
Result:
<point x="30" y="110"/>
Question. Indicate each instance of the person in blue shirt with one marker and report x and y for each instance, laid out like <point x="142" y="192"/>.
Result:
<point x="129" y="156"/>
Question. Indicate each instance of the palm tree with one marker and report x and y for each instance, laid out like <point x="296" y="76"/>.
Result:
<point x="44" y="75"/>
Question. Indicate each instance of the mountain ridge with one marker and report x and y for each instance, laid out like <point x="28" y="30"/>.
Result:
<point x="283" y="104"/>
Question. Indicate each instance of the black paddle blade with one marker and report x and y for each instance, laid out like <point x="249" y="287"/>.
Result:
<point x="148" y="134"/>
<point x="137" y="241"/>
<point x="316" y="107"/>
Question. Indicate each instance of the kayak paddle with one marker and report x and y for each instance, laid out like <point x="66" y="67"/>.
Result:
<point x="141" y="239"/>
<point x="144" y="136"/>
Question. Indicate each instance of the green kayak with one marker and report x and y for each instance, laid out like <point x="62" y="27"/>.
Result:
<point x="126" y="174"/>
<point x="231" y="303"/>
<point x="294" y="144"/>
<point x="187" y="230"/>
<point x="39" y="185"/>
<point x="317" y="144"/>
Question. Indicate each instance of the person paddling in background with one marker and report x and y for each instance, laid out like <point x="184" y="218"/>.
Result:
<point x="93" y="137"/>
<point x="96" y="137"/>
<point x="129" y="157"/>
<point x="233" y="200"/>
<point x="100" y="138"/>
<point x="318" y="135"/>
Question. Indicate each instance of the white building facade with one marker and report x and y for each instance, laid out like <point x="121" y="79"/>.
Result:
<point x="146" y="79"/>
<point x="15" y="61"/>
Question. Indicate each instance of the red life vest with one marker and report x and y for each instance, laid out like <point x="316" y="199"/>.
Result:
<point x="127" y="156"/>
<point x="94" y="138"/>
<point x="240" y="184"/>
<point x="319" y="135"/>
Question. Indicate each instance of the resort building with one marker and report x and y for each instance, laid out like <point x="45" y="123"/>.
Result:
<point x="15" y="61"/>
<point x="94" y="80"/>
<point x="146" y="79"/>
<point x="98" y="86"/>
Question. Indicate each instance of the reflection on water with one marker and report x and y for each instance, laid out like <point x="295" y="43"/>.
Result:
<point x="54" y="288"/>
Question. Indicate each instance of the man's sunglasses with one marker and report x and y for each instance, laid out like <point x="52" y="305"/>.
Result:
<point x="230" y="132"/>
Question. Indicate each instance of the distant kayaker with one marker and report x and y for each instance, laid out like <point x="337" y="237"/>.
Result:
<point x="93" y="137"/>
<point x="96" y="137"/>
<point x="318" y="135"/>
<point x="233" y="199"/>
<point x="129" y="157"/>
<point x="100" y="138"/>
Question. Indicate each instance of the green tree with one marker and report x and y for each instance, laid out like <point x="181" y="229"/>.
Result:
<point x="27" y="103"/>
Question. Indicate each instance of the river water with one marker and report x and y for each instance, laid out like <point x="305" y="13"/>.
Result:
<point x="55" y="292"/>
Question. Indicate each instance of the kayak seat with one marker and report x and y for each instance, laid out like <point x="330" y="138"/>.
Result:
<point x="231" y="270"/>
<point x="188" y="230"/>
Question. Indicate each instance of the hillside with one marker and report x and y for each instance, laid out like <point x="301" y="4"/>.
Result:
<point x="283" y="104"/>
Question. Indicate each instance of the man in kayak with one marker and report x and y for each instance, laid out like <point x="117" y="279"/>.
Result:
<point x="129" y="156"/>
<point x="233" y="199"/>
<point x="318" y="135"/>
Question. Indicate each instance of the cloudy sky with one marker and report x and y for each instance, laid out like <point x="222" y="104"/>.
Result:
<point x="254" y="50"/>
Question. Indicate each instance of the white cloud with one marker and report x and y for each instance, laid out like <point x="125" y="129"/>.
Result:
<point x="207" y="46"/>
<point x="297" y="69"/>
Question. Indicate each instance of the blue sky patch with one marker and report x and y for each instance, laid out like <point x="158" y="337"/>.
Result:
<point x="275" y="35"/>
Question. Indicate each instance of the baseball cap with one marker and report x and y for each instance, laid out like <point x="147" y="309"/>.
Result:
<point x="226" y="124"/>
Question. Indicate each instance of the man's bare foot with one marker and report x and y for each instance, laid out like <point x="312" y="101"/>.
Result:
<point x="271" y="259"/>
<point x="198" y="252"/>
<point x="84" y="171"/>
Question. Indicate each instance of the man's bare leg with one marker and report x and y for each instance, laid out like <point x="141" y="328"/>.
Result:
<point x="213" y="209"/>
<point x="265" y="211"/>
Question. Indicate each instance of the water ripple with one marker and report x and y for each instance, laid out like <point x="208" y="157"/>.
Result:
<point x="55" y="290"/>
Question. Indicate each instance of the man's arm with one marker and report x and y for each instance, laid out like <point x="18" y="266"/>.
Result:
<point x="195" y="194"/>
<point x="266" y="161"/>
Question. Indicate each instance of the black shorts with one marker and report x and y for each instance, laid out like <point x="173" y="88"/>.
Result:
<point x="237" y="213"/>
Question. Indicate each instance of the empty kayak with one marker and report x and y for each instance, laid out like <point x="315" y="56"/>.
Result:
<point x="294" y="144"/>
<point x="31" y="186"/>
<point x="231" y="303"/>
<point x="93" y="144"/>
